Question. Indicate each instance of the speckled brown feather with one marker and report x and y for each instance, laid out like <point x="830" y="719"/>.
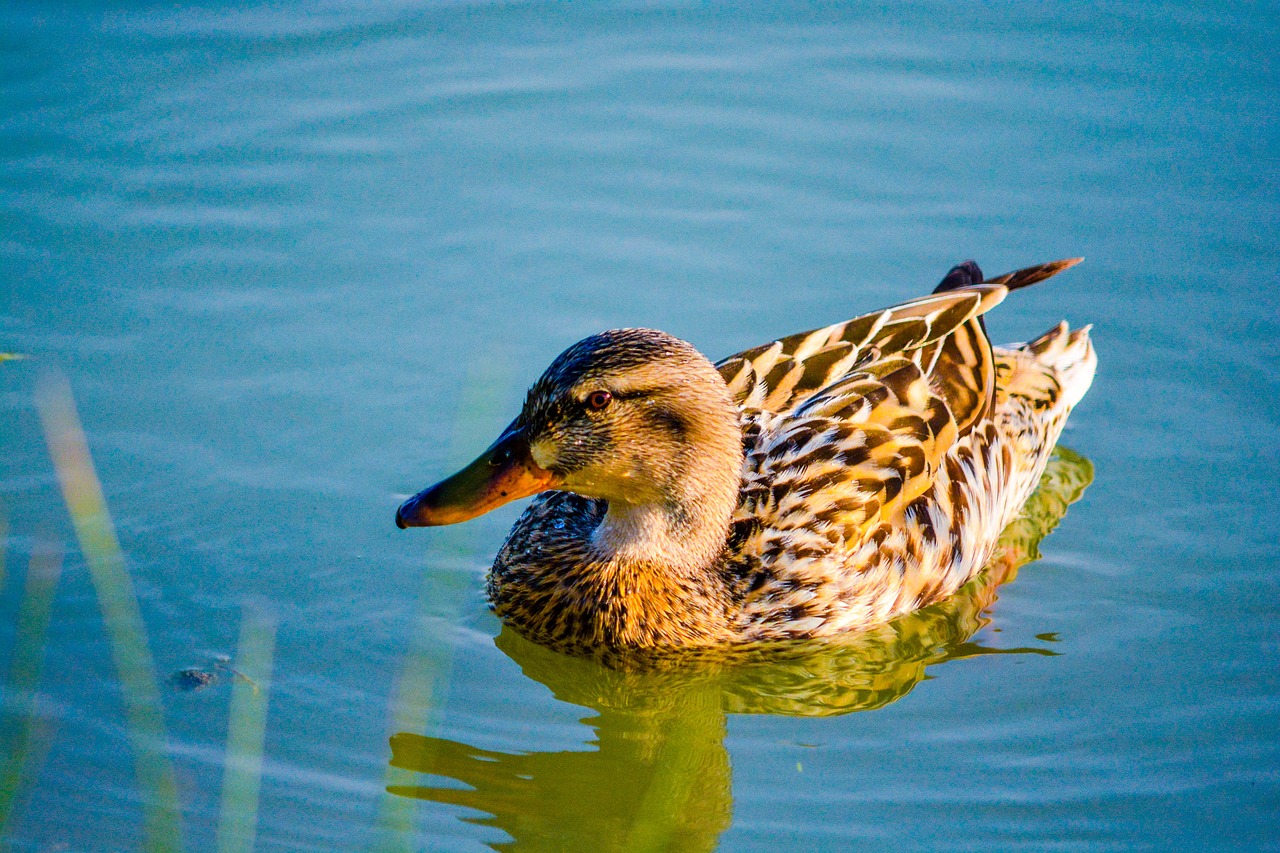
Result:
<point x="883" y="457"/>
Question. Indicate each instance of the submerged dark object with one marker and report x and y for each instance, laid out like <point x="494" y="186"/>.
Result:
<point x="189" y="680"/>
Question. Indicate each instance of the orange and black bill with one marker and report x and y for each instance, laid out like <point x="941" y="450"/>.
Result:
<point x="504" y="472"/>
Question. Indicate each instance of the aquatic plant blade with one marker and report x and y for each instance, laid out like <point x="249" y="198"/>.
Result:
<point x="246" y="732"/>
<point x="428" y="665"/>
<point x="18" y="738"/>
<point x="95" y="532"/>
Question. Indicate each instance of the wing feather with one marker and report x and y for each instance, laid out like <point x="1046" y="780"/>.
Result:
<point x="782" y="374"/>
<point x="845" y="429"/>
<point x="852" y="422"/>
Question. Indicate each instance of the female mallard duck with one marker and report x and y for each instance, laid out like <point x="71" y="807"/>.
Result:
<point x="818" y="484"/>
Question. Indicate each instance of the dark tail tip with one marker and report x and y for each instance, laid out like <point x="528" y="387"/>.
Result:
<point x="1033" y="275"/>
<point x="962" y="274"/>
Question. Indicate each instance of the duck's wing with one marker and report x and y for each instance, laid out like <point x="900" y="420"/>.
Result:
<point x="831" y="463"/>
<point x="831" y="486"/>
<point x="941" y="333"/>
<point x="851" y="456"/>
<point x="780" y="376"/>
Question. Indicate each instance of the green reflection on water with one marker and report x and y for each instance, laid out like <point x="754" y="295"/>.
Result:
<point x="659" y="777"/>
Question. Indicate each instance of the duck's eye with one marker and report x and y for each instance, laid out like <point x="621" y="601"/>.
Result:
<point x="598" y="400"/>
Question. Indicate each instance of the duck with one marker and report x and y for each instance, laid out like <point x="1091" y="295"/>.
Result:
<point x="816" y="485"/>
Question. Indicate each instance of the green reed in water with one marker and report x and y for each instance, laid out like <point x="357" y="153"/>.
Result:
<point x="24" y="737"/>
<point x="427" y="668"/>
<point x="242" y="772"/>
<point x="95" y="532"/>
<point x="86" y="504"/>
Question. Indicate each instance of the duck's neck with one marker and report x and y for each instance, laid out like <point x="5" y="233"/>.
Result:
<point x="683" y="532"/>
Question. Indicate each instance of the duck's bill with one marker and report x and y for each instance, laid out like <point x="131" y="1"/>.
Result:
<point x="503" y="473"/>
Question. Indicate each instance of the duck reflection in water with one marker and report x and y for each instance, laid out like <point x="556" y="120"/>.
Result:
<point x="659" y="776"/>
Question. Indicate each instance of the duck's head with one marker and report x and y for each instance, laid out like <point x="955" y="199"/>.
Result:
<point x="634" y="416"/>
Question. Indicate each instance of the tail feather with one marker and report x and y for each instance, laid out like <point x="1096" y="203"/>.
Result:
<point x="1033" y="275"/>
<point x="1071" y="356"/>
<point x="962" y="363"/>
<point x="968" y="273"/>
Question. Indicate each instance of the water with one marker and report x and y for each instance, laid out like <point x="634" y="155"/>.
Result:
<point x="294" y="263"/>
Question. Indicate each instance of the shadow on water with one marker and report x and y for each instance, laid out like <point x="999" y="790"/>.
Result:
<point x="659" y="776"/>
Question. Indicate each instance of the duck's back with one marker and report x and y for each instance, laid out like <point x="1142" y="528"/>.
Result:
<point x="885" y="455"/>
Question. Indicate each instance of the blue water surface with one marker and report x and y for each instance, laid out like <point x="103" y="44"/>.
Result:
<point x="295" y="261"/>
